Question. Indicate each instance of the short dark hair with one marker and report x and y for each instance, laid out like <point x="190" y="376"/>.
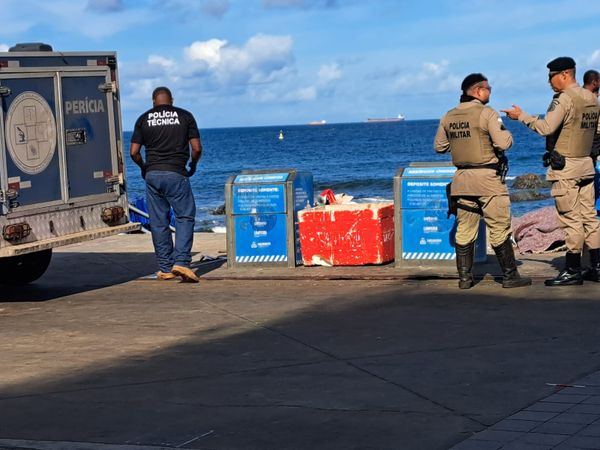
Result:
<point x="590" y="76"/>
<point x="471" y="80"/>
<point x="161" y="90"/>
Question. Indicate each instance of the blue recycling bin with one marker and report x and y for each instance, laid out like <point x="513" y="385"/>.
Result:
<point x="262" y="217"/>
<point x="424" y="234"/>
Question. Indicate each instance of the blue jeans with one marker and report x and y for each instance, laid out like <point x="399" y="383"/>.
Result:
<point x="166" y="190"/>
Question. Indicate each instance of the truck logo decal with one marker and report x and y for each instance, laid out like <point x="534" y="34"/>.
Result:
<point x="30" y="132"/>
<point x="84" y="106"/>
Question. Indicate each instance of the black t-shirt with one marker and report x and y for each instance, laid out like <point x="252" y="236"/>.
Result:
<point x="165" y="132"/>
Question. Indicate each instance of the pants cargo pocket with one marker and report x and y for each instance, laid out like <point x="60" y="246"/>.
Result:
<point x="564" y="199"/>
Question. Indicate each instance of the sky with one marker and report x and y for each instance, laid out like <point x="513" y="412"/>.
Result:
<point x="278" y="62"/>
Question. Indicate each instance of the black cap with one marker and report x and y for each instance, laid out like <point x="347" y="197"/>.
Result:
<point x="472" y="79"/>
<point x="560" y="64"/>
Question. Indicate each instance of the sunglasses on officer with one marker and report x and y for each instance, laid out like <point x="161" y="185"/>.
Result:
<point x="488" y="87"/>
<point x="553" y="74"/>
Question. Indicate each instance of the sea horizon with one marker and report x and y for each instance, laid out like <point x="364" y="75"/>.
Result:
<point x="359" y="159"/>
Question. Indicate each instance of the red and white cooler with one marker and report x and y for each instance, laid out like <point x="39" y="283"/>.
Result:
<point x="347" y="234"/>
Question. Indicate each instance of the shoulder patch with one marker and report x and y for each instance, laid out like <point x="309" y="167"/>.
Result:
<point x="554" y="104"/>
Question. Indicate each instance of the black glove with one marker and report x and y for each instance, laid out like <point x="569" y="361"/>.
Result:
<point x="192" y="168"/>
<point x="143" y="169"/>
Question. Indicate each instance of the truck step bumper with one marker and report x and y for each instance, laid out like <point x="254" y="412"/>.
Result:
<point x="20" y="249"/>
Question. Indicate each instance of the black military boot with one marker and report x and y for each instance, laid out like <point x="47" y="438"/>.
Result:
<point x="592" y="273"/>
<point x="510" y="274"/>
<point x="464" y="264"/>
<point x="571" y="274"/>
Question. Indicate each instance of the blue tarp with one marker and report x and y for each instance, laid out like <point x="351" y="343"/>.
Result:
<point x="140" y="203"/>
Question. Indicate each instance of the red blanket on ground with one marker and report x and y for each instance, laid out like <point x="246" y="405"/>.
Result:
<point x="538" y="231"/>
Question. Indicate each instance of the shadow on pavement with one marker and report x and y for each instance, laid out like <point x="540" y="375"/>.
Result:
<point x="292" y="365"/>
<point x="72" y="273"/>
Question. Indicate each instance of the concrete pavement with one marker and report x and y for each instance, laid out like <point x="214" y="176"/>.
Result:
<point x="97" y="355"/>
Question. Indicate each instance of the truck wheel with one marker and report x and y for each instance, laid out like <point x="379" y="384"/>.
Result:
<point x="23" y="269"/>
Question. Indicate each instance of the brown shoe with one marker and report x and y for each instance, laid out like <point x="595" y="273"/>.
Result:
<point x="186" y="274"/>
<point x="165" y="275"/>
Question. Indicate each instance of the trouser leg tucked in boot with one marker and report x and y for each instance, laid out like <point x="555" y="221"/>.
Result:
<point x="464" y="264"/>
<point x="510" y="275"/>
<point x="571" y="274"/>
<point x="592" y="273"/>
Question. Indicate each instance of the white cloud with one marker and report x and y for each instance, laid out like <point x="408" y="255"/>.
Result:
<point x="432" y="77"/>
<point x="594" y="58"/>
<point x="329" y="73"/>
<point x="161" y="61"/>
<point x="281" y="94"/>
<point x="434" y="69"/>
<point x="141" y="89"/>
<point x="206" y="51"/>
<point x="301" y="94"/>
<point x="65" y="17"/>
<point x="260" y="60"/>
<point x="261" y="70"/>
<point x="3" y="48"/>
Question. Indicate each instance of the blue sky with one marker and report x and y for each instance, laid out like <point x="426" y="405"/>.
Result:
<point x="277" y="62"/>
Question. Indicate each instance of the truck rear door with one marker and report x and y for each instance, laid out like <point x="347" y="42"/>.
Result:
<point x="32" y="162"/>
<point x="60" y="137"/>
<point x="89" y="133"/>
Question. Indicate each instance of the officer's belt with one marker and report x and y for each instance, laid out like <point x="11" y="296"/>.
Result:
<point x="474" y="209"/>
<point x="477" y="210"/>
<point x="494" y="166"/>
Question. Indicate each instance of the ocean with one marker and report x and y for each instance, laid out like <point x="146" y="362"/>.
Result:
<point x="358" y="159"/>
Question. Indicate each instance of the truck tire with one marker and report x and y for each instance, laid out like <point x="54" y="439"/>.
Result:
<point x="23" y="269"/>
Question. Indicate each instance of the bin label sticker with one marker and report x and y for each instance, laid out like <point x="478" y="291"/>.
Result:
<point x="262" y="178"/>
<point x="263" y="198"/>
<point x="260" y="238"/>
<point x="424" y="193"/>
<point x="447" y="171"/>
<point x="430" y="235"/>
<point x="427" y="235"/>
<point x="30" y="132"/>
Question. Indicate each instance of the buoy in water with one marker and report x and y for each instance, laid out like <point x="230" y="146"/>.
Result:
<point x="281" y="135"/>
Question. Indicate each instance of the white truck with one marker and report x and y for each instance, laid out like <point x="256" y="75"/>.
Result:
<point x="61" y="155"/>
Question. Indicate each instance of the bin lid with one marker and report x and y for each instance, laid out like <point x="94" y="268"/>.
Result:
<point x="275" y="177"/>
<point x="425" y="172"/>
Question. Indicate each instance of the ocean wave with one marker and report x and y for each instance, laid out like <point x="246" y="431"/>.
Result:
<point x="209" y="225"/>
<point x="368" y="183"/>
<point x="373" y="200"/>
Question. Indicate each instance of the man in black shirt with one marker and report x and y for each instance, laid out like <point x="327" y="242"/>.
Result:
<point x="167" y="133"/>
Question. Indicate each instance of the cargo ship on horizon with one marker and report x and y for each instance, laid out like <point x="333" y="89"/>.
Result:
<point x="400" y="118"/>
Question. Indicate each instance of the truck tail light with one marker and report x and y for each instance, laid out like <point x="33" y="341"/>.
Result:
<point x="113" y="214"/>
<point x="16" y="231"/>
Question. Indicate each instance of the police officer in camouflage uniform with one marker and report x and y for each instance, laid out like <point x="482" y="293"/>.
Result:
<point x="476" y="138"/>
<point x="570" y="124"/>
